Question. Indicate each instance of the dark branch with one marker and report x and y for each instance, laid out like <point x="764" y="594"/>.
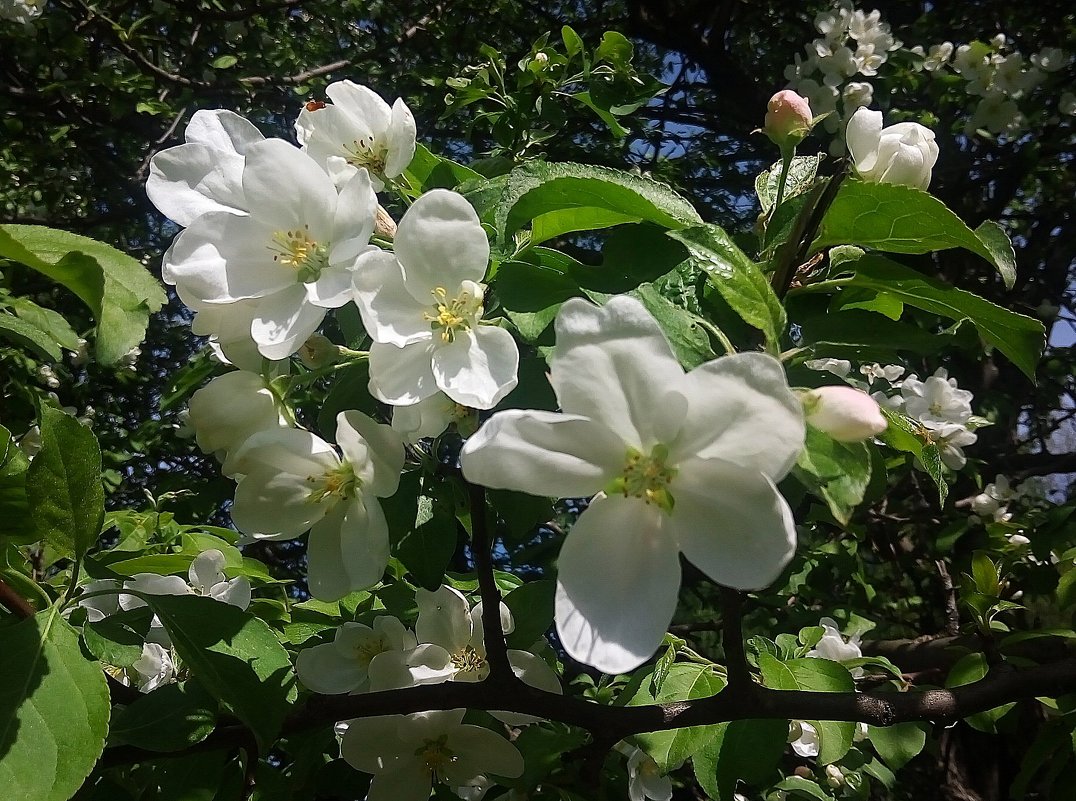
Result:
<point x="481" y="551"/>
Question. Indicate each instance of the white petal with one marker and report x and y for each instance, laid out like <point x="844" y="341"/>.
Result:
<point x="382" y="447"/>
<point x="402" y="376"/>
<point x="327" y="670"/>
<point x="285" y="188"/>
<point x="440" y="243"/>
<point x="480" y="750"/>
<point x="267" y="501"/>
<point x="206" y="570"/>
<point x="740" y="409"/>
<point x="151" y="584"/>
<point x="543" y="453"/>
<point x="390" y="313"/>
<point x="444" y="618"/>
<point x="425" y="664"/>
<point x="327" y="575"/>
<point x="373" y="745"/>
<point x="287" y="450"/>
<point x="362" y="104"/>
<point x="617" y="584"/>
<point x="222" y="130"/>
<point x="479" y="368"/>
<point x="532" y="670"/>
<point x="284" y="321"/>
<point x="356" y="209"/>
<point x="235" y="592"/>
<point x="862" y="136"/>
<point x="331" y="290"/>
<point x="732" y="523"/>
<point x="613" y="365"/>
<point x="231" y="408"/>
<point x="427" y="418"/>
<point x="364" y="545"/>
<point x="401" y="139"/>
<point x="188" y="181"/>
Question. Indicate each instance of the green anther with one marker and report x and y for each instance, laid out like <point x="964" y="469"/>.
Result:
<point x="646" y="477"/>
<point x="298" y="250"/>
<point x="340" y="482"/>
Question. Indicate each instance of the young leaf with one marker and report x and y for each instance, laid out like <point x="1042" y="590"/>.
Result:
<point x="838" y="472"/>
<point x="670" y="749"/>
<point x="54" y="708"/>
<point x="29" y="336"/>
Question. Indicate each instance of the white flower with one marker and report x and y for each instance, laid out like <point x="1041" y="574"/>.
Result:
<point x="681" y="463"/>
<point x="100" y="606"/>
<point x="229" y="409"/>
<point x="152" y="584"/>
<point x="844" y="413"/>
<point x="423" y="308"/>
<point x="891" y="372"/>
<point x="938" y="56"/>
<point x="839" y="367"/>
<point x="206" y="577"/>
<point x="228" y="328"/>
<point x="834" y="647"/>
<point x="154" y="668"/>
<point x="645" y="779"/>
<point x="936" y="402"/>
<point x="357" y="130"/>
<point x="904" y="153"/>
<point x="293" y="481"/>
<point x="857" y="94"/>
<point x="206" y="173"/>
<point x="804" y="738"/>
<point x="431" y="416"/>
<point x="407" y="754"/>
<point x="1050" y="59"/>
<point x="345" y="664"/>
<point x="295" y="250"/>
<point x="951" y="439"/>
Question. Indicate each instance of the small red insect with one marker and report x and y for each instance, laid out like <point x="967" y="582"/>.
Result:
<point x="314" y="105"/>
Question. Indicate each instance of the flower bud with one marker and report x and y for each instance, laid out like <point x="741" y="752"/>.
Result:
<point x="788" y="119"/>
<point x="902" y="154"/>
<point x="834" y="776"/>
<point x="845" y="413"/>
<point x="318" y="351"/>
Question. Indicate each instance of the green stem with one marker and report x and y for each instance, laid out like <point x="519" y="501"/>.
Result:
<point x="720" y="335"/>
<point x="787" y="154"/>
<point x="311" y="376"/>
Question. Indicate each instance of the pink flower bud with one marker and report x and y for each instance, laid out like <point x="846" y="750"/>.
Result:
<point x="845" y="413"/>
<point x="788" y="118"/>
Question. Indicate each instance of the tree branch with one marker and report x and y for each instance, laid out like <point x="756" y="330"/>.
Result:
<point x="739" y="673"/>
<point x="481" y="551"/>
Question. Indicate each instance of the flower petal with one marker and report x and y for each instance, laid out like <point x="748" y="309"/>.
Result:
<point x="222" y="130"/>
<point x="613" y="364"/>
<point x="401" y="139"/>
<point x="444" y="618"/>
<point x="615" y="616"/>
<point x="373" y="745"/>
<point x="390" y="313"/>
<point x="383" y="447"/>
<point x="478" y="368"/>
<point x="206" y="570"/>
<point x="408" y="780"/>
<point x="862" y="136"/>
<point x="356" y="208"/>
<point x="188" y="181"/>
<point x="328" y="670"/>
<point x="480" y="750"/>
<point x="285" y="188"/>
<point x="268" y="501"/>
<point x="732" y="523"/>
<point x="440" y="243"/>
<point x="363" y="105"/>
<point x="426" y="664"/>
<point x="542" y="453"/>
<point x="402" y="376"/>
<point x="284" y="321"/>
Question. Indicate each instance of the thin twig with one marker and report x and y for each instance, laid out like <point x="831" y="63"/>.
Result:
<point x="15" y="603"/>
<point x="481" y="551"/>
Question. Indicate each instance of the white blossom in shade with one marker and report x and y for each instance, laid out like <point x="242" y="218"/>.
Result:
<point x="1017" y="539"/>
<point x="838" y="367"/>
<point x="678" y="463"/>
<point x="206" y="173"/>
<point x="343" y="666"/>
<point x="295" y="251"/>
<point x="100" y="606"/>
<point x="993" y="501"/>
<point x="452" y="648"/>
<point x="1051" y="59"/>
<point x="833" y="645"/>
<point x="894" y="403"/>
<point x="23" y="12"/>
<point x="891" y="372"/>
<point x="229" y="409"/>
<point x="228" y="328"/>
<point x="856" y="94"/>
<point x="904" y="153"/>
<point x="423" y="308"/>
<point x="152" y="584"/>
<point x="844" y="413"/>
<point x="804" y="738"/>
<point x="431" y="416"/>
<point x="937" y="401"/>
<point x="206" y="577"/>
<point x="154" y="667"/>
<point x="951" y="439"/>
<point x="1067" y="103"/>
<point x="938" y="56"/>
<point x="357" y="130"/>
<point x="408" y="754"/>
<point x="293" y="481"/>
<point x="645" y="780"/>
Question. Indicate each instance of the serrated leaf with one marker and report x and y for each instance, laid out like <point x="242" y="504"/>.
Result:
<point x="427" y="549"/>
<point x="907" y="436"/>
<point x="119" y="291"/>
<point x="1018" y="337"/>
<point x="117" y="639"/>
<point x="29" y="336"/>
<point x="739" y="280"/>
<point x="234" y="655"/>
<point x="815" y="675"/>
<point x="63" y="485"/>
<point x="801" y="174"/>
<point x="903" y="219"/>
<point x="670" y="749"/>
<point x="969" y="669"/>
<point x="838" y="472"/>
<point x="687" y="338"/>
<point x="531" y="605"/>
<point x="54" y="709"/>
<point x="49" y="321"/>
<point x="223" y="62"/>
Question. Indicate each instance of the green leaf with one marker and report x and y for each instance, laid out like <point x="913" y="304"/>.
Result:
<point x="898" y="745"/>
<point x="800" y="787"/>
<point x="427" y="549"/>
<point x="744" y="750"/>
<point x="119" y="291"/>
<point x="117" y="639"/>
<point x="171" y="718"/>
<point x="54" y="708"/>
<point x="687" y="338"/>
<point x="864" y="335"/>
<point x="814" y="675"/>
<point x="427" y="171"/>
<point x="903" y="219"/>
<point x="63" y="485"/>
<point x="531" y="605"/>
<point x="573" y="44"/>
<point x="969" y="669"/>
<point x="223" y="62"/>
<point x="29" y="336"/>
<point x="838" y="472"/>
<point x="739" y="280"/>
<point x="985" y="574"/>
<point x="908" y="436"/>
<point x="15" y="523"/>
<point x="801" y="174"/>
<point x="614" y="49"/>
<point x="565" y="197"/>
<point x="49" y="321"/>
<point x="1018" y="337"/>
<point x="235" y="656"/>
<point x="670" y="749"/>
<point x="532" y="289"/>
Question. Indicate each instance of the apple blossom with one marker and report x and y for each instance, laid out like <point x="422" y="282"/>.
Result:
<point x="357" y="131"/>
<point x="839" y="367"/>
<point x="408" y="754"/>
<point x="206" y="173"/>
<point x="228" y="328"/>
<point x="431" y="416"/>
<point x="666" y="454"/>
<point x="937" y="401"/>
<point x="345" y="665"/>
<point x="645" y="780"/>
<point x="834" y="647"/>
<point x="423" y="308"/>
<point x="844" y="413"/>
<point x="206" y="577"/>
<point x="154" y="667"/>
<point x="891" y="372"/>
<point x="100" y="606"/>
<point x="294" y="252"/>
<point x="803" y="738"/>
<point x="904" y="153"/>
<point x="788" y="119"/>
<point x="293" y="481"/>
<point x="229" y="409"/>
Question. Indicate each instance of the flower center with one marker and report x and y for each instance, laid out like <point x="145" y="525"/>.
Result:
<point x="339" y="482"/>
<point x="368" y="153"/>
<point x="460" y="313"/>
<point x="436" y="755"/>
<point x="367" y="650"/>
<point x="646" y="477"/>
<point x="468" y="660"/>
<point x="298" y="250"/>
